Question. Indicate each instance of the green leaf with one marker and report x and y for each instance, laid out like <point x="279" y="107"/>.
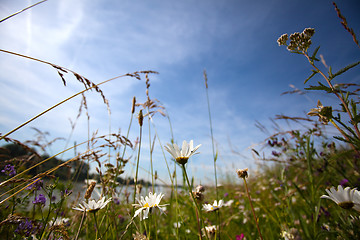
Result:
<point x="331" y="76"/>
<point x="320" y="87"/>
<point x="341" y="139"/>
<point x="313" y="73"/>
<point x="356" y="119"/>
<point x="313" y="57"/>
<point x="345" y="69"/>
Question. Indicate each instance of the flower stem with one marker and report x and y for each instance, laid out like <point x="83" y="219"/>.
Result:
<point x="96" y="226"/>
<point x="81" y="223"/>
<point x="252" y="208"/>
<point x="347" y="110"/>
<point x="136" y="174"/>
<point x="197" y="210"/>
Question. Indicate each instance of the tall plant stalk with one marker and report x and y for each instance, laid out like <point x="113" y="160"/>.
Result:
<point x="213" y="151"/>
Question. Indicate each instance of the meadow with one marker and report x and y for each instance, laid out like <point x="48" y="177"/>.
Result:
<point x="305" y="189"/>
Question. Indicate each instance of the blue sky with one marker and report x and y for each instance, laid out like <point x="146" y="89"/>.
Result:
<point x="235" y="41"/>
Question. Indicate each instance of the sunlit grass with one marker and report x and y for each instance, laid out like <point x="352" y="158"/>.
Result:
<point x="285" y="198"/>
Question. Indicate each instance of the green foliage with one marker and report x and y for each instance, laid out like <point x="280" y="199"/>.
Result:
<point x="282" y="200"/>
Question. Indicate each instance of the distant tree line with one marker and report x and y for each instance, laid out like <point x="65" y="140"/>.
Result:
<point x="23" y="158"/>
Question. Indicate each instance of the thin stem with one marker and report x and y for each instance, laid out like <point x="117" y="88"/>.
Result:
<point x="80" y="226"/>
<point x="344" y="134"/>
<point x="252" y="208"/>
<point x="137" y="165"/>
<point x="196" y="205"/>
<point x="211" y="132"/>
<point x="213" y="150"/>
<point x="136" y="172"/>
<point x="151" y="150"/>
<point x="334" y="91"/>
<point x="123" y="154"/>
<point x="41" y="175"/>
<point x="96" y="225"/>
<point x="14" y="14"/>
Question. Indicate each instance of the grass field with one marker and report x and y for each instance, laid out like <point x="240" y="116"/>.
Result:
<point x="306" y="188"/>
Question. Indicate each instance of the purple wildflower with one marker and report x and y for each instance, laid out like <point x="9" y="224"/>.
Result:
<point x="36" y="185"/>
<point x="25" y="227"/>
<point x="240" y="237"/>
<point x="66" y="193"/>
<point x="40" y="200"/>
<point x="226" y="194"/>
<point x="9" y="170"/>
<point x="344" y="182"/>
<point x="116" y="200"/>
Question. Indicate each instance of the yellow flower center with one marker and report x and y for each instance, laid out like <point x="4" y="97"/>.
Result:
<point x="146" y="205"/>
<point x="346" y="205"/>
<point x="182" y="160"/>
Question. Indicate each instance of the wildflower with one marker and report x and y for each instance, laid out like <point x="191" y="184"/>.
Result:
<point x="177" y="224"/>
<point x="147" y="204"/>
<point x="200" y="188"/>
<point x="324" y="113"/>
<point x="183" y="155"/>
<point x="299" y="42"/>
<point x="93" y="206"/>
<point x="199" y="196"/>
<point x="139" y="236"/>
<point x="325" y="227"/>
<point x="346" y="198"/>
<point x="116" y="201"/>
<point x="214" y="207"/>
<point x="66" y="193"/>
<point x="240" y="237"/>
<point x="40" y="199"/>
<point x="344" y="182"/>
<point x="242" y="173"/>
<point x="287" y="235"/>
<point x="229" y="203"/>
<point x="59" y="221"/>
<point x="198" y="193"/>
<point x="9" y="170"/>
<point x="36" y="185"/>
<point x="282" y="39"/>
<point x="210" y="231"/>
<point x="25" y="227"/>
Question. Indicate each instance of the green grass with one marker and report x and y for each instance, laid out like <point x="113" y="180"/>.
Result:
<point x="279" y="200"/>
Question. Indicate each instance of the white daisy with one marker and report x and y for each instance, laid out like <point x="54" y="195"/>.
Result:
<point x="213" y="207"/>
<point x="92" y="205"/>
<point x="147" y="204"/>
<point x="346" y="198"/>
<point x="356" y="200"/>
<point x="182" y="156"/>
